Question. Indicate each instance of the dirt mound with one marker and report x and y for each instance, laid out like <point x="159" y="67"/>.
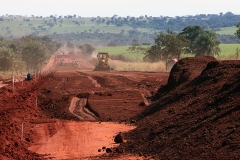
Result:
<point x="187" y="69"/>
<point x="196" y="117"/>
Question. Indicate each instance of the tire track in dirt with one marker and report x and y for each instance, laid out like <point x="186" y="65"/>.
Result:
<point x="94" y="81"/>
<point x="77" y="108"/>
<point x="145" y="93"/>
<point x="97" y="85"/>
<point x="61" y="86"/>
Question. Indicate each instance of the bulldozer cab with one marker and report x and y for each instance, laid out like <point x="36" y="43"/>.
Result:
<point x="102" y="64"/>
<point x="103" y="55"/>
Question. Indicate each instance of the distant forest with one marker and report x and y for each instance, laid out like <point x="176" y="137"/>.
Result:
<point x="143" y="28"/>
<point x="207" y="21"/>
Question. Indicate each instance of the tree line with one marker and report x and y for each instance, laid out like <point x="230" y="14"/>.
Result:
<point x="206" y="21"/>
<point x="125" y="37"/>
<point x="26" y="53"/>
<point x="191" y="40"/>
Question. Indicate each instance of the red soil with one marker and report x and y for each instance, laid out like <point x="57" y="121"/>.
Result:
<point x="196" y="115"/>
<point x="192" y="115"/>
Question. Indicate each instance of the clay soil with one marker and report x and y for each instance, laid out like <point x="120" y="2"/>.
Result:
<point x="74" y="113"/>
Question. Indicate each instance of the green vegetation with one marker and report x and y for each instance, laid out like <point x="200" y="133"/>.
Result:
<point x="226" y="31"/>
<point x="120" y="53"/>
<point x="228" y="51"/>
<point x="237" y="33"/>
<point x="136" y="49"/>
<point x="26" y="53"/>
<point x="121" y="30"/>
<point x="19" y="26"/>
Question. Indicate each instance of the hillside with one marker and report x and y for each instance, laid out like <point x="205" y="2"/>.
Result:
<point x="103" y="30"/>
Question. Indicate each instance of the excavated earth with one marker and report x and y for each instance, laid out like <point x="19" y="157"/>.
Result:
<point x="74" y="113"/>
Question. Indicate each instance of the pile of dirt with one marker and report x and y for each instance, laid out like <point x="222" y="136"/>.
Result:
<point x="55" y="107"/>
<point x="18" y="109"/>
<point x="195" y="116"/>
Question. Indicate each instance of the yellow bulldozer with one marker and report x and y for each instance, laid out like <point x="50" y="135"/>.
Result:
<point x="102" y="64"/>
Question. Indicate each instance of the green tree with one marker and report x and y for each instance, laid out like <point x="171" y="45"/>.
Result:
<point x="108" y="22"/>
<point x="238" y="31"/>
<point x="136" y="49"/>
<point x="7" y="58"/>
<point x="34" y="55"/>
<point x="167" y="45"/>
<point x="192" y="33"/>
<point x="207" y="44"/>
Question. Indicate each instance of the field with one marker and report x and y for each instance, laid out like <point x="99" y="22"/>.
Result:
<point x="18" y="27"/>
<point x="228" y="51"/>
<point x="227" y="31"/>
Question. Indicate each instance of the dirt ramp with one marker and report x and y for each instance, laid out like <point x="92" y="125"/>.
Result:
<point x="187" y="69"/>
<point x="55" y="107"/>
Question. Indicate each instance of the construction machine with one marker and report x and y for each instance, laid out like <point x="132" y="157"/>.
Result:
<point x="102" y="64"/>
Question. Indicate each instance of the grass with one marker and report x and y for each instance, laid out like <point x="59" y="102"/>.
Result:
<point x="19" y="27"/>
<point x="227" y="30"/>
<point x="228" y="51"/>
<point x="120" y="50"/>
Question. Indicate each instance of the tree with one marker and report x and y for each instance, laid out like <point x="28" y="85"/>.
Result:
<point x="87" y="49"/>
<point x="238" y="31"/>
<point x="108" y="22"/>
<point x="136" y="49"/>
<point x="237" y="53"/>
<point x="207" y="44"/>
<point x="192" y="33"/>
<point x="112" y="44"/>
<point x="34" y="55"/>
<point x="167" y="45"/>
<point x="7" y="58"/>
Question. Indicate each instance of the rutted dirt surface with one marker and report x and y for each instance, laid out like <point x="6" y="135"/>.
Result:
<point x="191" y="113"/>
<point x="78" y="108"/>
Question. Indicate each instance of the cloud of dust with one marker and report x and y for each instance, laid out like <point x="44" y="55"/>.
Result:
<point x="137" y="66"/>
<point x="94" y="54"/>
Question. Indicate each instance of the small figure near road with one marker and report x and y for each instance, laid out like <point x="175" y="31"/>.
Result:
<point x="29" y="77"/>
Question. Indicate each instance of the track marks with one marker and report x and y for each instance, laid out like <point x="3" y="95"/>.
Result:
<point x="77" y="107"/>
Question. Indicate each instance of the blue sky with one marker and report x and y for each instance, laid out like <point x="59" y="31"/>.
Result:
<point x="123" y="8"/>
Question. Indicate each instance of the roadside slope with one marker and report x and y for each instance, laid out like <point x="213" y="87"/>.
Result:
<point x="197" y="117"/>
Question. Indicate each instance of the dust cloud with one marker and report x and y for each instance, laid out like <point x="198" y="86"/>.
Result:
<point x="137" y="66"/>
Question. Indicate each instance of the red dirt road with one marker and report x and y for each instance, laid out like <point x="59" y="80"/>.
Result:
<point x="74" y="140"/>
<point x="78" y="112"/>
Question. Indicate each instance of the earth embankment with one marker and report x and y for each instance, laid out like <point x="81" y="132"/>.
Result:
<point x="195" y="115"/>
